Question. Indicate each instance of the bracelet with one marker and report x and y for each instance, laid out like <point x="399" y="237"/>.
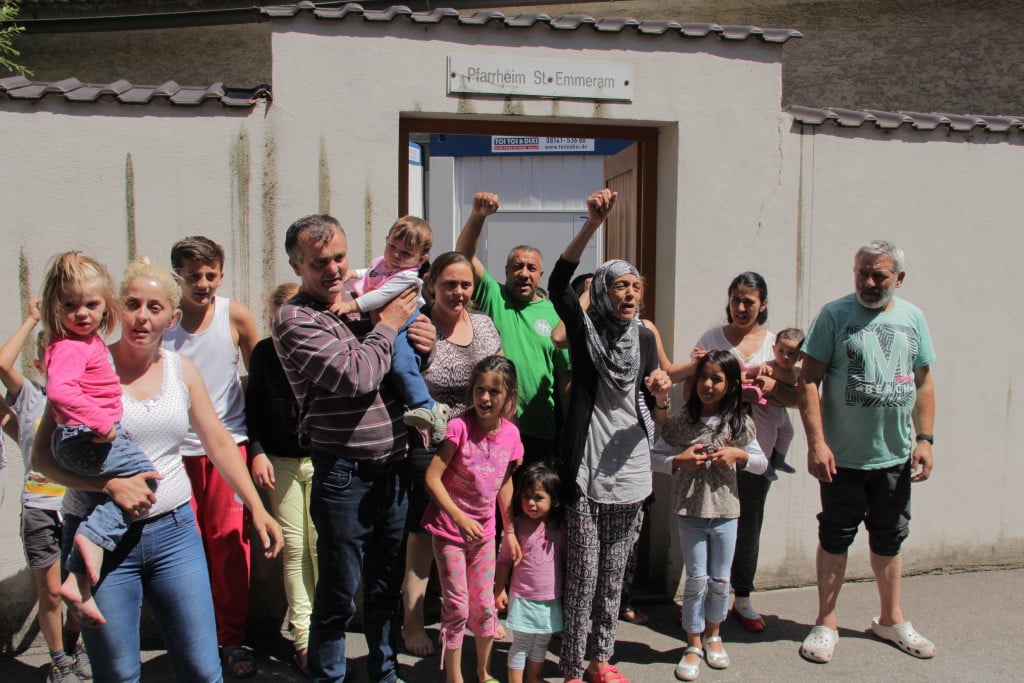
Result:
<point x="509" y="531"/>
<point x="668" y="404"/>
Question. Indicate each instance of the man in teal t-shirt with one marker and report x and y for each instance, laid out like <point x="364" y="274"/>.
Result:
<point x="872" y="351"/>
<point x="524" y="319"/>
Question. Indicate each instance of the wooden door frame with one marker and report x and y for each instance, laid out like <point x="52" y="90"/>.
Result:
<point x="646" y="139"/>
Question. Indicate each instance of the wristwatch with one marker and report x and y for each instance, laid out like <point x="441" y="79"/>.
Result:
<point x="930" y="438"/>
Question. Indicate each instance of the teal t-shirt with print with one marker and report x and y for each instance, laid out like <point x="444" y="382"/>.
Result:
<point x="868" y="392"/>
<point x="525" y="330"/>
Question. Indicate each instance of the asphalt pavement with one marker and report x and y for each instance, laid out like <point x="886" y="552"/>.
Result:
<point x="975" y="619"/>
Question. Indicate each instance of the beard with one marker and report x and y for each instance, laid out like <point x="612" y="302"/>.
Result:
<point x="883" y="300"/>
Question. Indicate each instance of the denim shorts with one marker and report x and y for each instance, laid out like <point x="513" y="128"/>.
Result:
<point x="879" y="498"/>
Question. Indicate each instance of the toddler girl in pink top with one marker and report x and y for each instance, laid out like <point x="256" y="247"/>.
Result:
<point x="535" y="609"/>
<point x="79" y="304"/>
<point x="470" y="471"/>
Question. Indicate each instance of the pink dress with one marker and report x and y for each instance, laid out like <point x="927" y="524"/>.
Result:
<point x="474" y="475"/>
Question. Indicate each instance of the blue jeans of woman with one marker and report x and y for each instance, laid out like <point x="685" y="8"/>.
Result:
<point x="160" y="561"/>
<point x="707" y="546"/>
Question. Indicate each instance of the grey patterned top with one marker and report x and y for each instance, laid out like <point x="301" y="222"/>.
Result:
<point x="448" y="374"/>
<point x="709" y="492"/>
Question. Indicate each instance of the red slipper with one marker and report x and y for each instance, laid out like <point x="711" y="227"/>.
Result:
<point x="752" y="625"/>
<point x="609" y="674"/>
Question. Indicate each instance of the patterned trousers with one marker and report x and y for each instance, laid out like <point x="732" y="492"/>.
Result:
<point x="599" y="537"/>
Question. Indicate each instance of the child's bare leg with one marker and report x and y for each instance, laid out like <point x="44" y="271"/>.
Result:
<point x="483" y="657"/>
<point x="533" y="670"/>
<point x="92" y="557"/>
<point x="50" y="606"/>
<point x="77" y="594"/>
<point x="515" y="675"/>
<point x="453" y="665"/>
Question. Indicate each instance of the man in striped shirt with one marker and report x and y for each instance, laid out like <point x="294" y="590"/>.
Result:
<point x="354" y="425"/>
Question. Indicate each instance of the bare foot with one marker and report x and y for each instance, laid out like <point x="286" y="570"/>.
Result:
<point x="92" y="557"/>
<point x="77" y="595"/>
<point x="417" y="642"/>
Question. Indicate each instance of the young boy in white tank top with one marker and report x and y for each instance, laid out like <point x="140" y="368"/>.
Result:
<point x="216" y="332"/>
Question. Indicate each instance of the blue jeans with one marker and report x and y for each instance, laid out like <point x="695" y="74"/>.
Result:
<point x="708" y="546"/>
<point x="160" y="561"/>
<point x="405" y="374"/>
<point x="359" y="511"/>
<point x="106" y="523"/>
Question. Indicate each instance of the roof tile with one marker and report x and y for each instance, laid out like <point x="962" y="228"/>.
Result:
<point x="853" y="118"/>
<point x="699" y="30"/>
<point x="435" y="16"/>
<point x="616" y="24"/>
<point x="658" y="27"/>
<point x="571" y="22"/>
<point x="527" y="20"/>
<point x="481" y="18"/>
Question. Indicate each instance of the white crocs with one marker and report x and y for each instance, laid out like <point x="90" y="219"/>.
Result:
<point x="905" y="638"/>
<point x="819" y="644"/>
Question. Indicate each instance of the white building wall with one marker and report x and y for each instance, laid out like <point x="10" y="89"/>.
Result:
<point x="739" y="188"/>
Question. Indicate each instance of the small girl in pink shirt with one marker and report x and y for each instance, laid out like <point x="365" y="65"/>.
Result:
<point x="79" y="305"/>
<point x="535" y="609"/>
<point x="470" y="471"/>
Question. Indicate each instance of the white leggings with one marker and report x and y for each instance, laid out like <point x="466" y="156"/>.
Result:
<point x="532" y="646"/>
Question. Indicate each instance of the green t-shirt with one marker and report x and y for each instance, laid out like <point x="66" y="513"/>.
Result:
<point x="869" y="391"/>
<point x="525" y="330"/>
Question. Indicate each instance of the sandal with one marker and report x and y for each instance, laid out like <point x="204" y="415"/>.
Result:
<point x="633" y="616"/>
<point x="819" y="644"/>
<point x="609" y="674"/>
<point x="239" y="662"/>
<point x="905" y="638"/>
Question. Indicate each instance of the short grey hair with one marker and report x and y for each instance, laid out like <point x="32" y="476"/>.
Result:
<point x="317" y="228"/>
<point x="523" y="247"/>
<point x="886" y="249"/>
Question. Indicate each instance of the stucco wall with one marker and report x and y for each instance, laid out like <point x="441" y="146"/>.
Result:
<point x="739" y="187"/>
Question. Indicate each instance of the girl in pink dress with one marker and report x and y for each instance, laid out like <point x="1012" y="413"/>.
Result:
<point x="471" y="470"/>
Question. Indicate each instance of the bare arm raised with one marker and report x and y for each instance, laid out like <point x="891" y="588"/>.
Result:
<point x="484" y="205"/>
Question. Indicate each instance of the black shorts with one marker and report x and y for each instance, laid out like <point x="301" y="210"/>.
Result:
<point x="879" y="498"/>
<point x="40" y="534"/>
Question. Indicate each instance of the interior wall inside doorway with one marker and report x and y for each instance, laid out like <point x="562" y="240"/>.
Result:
<point x="543" y="204"/>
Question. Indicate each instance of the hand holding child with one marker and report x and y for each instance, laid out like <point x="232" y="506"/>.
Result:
<point x="342" y="308"/>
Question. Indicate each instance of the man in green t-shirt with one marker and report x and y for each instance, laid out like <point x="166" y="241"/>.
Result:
<point x="872" y="353"/>
<point x="525" y="320"/>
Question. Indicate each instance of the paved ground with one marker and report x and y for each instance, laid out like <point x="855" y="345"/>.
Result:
<point x="976" y="620"/>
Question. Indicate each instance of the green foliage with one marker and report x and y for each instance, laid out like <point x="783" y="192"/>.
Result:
<point x="8" y="30"/>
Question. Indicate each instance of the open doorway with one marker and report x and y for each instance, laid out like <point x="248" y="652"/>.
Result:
<point x="626" y="161"/>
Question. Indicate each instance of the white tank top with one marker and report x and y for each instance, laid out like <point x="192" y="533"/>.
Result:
<point x="214" y="353"/>
<point x="158" y="426"/>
